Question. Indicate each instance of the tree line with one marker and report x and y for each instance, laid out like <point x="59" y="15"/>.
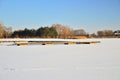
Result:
<point x="108" y="33"/>
<point x="43" y="32"/>
<point x="54" y="31"/>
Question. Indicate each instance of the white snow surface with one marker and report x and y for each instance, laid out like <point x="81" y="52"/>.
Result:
<point x="61" y="62"/>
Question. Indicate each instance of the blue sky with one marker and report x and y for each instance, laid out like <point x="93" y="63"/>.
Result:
<point x="91" y="15"/>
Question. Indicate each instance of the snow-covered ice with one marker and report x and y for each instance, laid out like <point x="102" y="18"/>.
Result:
<point x="61" y="62"/>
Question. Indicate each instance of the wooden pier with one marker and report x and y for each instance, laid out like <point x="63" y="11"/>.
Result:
<point x="25" y="42"/>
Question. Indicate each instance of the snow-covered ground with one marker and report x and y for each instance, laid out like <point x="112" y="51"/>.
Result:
<point x="61" y="62"/>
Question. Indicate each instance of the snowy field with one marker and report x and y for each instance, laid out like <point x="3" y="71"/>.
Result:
<point x="61" y="62"/>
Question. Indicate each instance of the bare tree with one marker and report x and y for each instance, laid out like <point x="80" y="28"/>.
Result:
<point x="1" y="31"/>
<point x="105" y="33"/>
<point x="108" y="32"/>
<point x="80" y="32"/>
<point x="100" y="33"/>
<point x="8" y="32"/>
<point x="5" y="32"/>
<point x="63" y="31"/>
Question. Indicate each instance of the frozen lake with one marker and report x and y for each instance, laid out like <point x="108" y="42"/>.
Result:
<point x="61" y="62"/>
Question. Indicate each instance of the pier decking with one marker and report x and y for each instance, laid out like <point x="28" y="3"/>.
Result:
<point x="25" y="41"/>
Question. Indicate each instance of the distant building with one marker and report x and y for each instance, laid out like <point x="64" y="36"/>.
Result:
<point x="117" y="33"/>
